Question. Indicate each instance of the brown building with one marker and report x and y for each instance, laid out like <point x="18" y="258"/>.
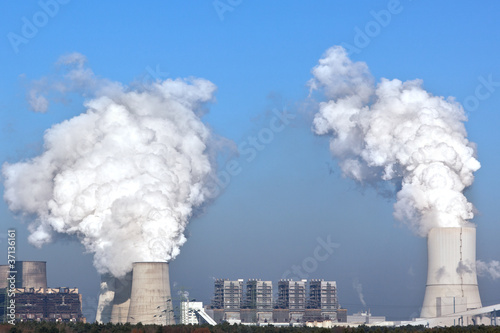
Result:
<point x="48" y="304"/>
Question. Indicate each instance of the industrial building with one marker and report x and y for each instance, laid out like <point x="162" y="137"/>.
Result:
<point x="297" y="302"/>
<point x="193" y="313"/>
<point x="33" y="300"/>
<point x="258" y="305"/>
<point x="364" y="318"/>
<point x="291" y="299"/>
<point x="323" y="299"/>
<point x="228" y="300"/>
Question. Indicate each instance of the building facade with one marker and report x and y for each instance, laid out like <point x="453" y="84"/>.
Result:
<point x="228" y="300"/>
<point x="258" y="306"/>
<point x="48" y="304"/>
<point x="296" y="302"/>
<point x="292" y="296"/>
<point x="323" y="297"/>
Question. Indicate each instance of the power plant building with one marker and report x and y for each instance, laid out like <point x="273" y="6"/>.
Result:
<point x="33" y="300"/>
<point x="323" y="297"/>
<point x="297" y="301"/>
<point x="228" y="300"/>
<point x="258" y="305"/>
<point x="193" y="313"/>
<point x="228" y="295"/>
<point x="49" y="304"/>
<point x="291" y="297"/>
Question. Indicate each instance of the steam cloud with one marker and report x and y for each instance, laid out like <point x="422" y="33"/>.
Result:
<point x="359" y="289"/>
<point x="124" y="176"/>
<point x="492" y="269"/>
<point x="396" y="131"/>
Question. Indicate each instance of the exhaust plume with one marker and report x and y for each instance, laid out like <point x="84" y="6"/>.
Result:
<point x="396" y="131"/>
<point x="359" y="289"/>
<point x="124" y="176"/>
<point x="491" y="269"/>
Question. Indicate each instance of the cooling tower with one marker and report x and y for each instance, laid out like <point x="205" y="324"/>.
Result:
<point x="451" y="275"/>
<point x="114" y="299"/>
<point x="33" y="274"/>
<point x="4" y="274"/>
<point x="106" y="295"/>
<point x="150" y="299"/>
<point x="121" y="301"/>
<point x="29" y="274"/>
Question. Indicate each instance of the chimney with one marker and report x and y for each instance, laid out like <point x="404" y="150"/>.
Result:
<point x="451" y="274"/>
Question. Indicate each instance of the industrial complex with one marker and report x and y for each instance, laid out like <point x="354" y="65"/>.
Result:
<point x="252" y="302"/>
<point x="451" y="295"/>
<point x="24" y="296"/>
<point x="143" y="295"/>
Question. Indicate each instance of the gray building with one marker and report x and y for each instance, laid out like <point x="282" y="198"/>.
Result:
<point x="258" y="301"/>
<point x="323" y="297"/>
<point x="297" y="302"/>
<point x="228" y="299"/>
<point x="259" y="295"/>
<point x="292" y="296"/>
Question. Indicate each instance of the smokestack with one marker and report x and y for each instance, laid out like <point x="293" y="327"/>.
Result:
<point x="451" y="275"/>
<point x="150" y="299"/>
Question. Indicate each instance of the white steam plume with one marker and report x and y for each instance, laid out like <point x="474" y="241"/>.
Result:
<point x="396" y="131"/>
<point x="124" y="176"/>
<point x="359" y="289"/>
<point x="492" y="269"/>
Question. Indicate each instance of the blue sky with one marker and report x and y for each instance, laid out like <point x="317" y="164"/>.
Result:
<point x="260" y="54"/>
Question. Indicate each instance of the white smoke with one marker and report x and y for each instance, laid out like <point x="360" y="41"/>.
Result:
<point x="72" y="76"/>
<point x="359" y="289"/>
<point x="124" y="176"/>
<point x="396" y="131"/>
<point x="106" y="296"/>
<point x="491" y="269"/>
<point x="183" y="295"/>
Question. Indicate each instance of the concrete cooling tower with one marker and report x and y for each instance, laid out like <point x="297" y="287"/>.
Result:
<point x="141" y="296"/>
<point x="29" y="274"/>
<point x="150" y="299"/>
<point x="4" y="274"/>
<point x="114" y="299"/>
<point x="451" y="275"/>
<point x="121" y="301"/>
